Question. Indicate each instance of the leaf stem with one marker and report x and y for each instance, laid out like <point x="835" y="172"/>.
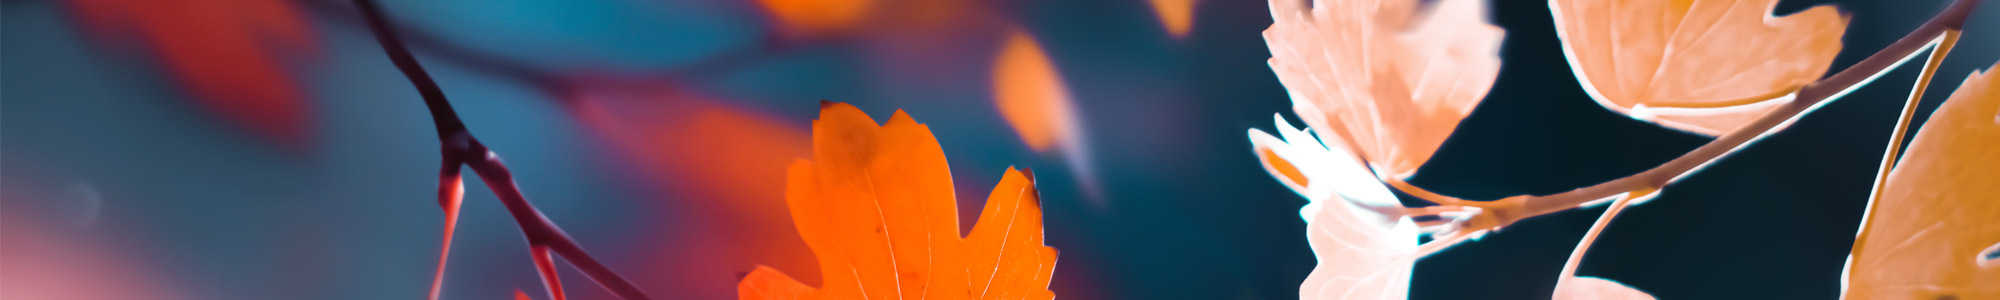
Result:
<point x="1809" y="97"/>
<point x="1889" y="156"/>
<point x="460" y="148"/>
<point x="1589" y="236"/>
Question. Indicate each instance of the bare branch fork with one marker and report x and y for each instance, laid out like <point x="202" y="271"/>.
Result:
<point x="461" y="149"/>
<point x="1940" y="32"/>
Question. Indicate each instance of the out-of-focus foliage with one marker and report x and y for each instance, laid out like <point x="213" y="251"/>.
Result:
<point x="875" y="203"/>
<point x="1176" y="16"/>
<point x="1706" y="67"/>
<point x="1931" y="232"/>
<point x="229" y="54"/>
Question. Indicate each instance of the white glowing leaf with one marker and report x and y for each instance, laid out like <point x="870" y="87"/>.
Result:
<point x="1323" y="173"/>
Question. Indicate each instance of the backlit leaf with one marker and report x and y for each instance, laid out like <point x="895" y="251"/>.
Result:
<point x="1592" y="288"/>
<point x="1704" y="66"/>
<point x="1388" y="78"/>
<point x="875" y="204"/>
<point x="1932" y="233"/>
<point x="1319" y="172"/>
<point x="1359" y="259"/>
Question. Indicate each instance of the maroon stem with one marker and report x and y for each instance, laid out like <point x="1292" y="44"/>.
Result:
<point x="460" y="146"/>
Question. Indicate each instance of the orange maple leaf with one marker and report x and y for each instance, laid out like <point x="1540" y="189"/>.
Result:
<point x="1706" y="67"/>
<point x="875" y="204"/>
<point x="1385" y="78"/>
<point x="223" y="51"/>
<point x="1934" y="232"/>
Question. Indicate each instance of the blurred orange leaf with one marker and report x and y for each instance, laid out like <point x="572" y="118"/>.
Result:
<point x="816" y="17"/>
<point x="876" y="205"/>
<point x="1385" y="78"/>
<point x="1177" y="16"/>
<point x="1706" y="67"/>
<point x="226" y="53"/>
<point x="1031" y="95"/>
<point x="1933" y="232"/>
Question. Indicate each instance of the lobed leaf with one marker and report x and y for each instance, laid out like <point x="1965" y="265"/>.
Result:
<point x="1386" y="78"/>
<point x="1932" y="232"/>
<point x="1703" y="66"/>
<point x="875" y="204"/>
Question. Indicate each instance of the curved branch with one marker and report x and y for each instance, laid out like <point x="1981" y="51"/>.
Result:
<point x="460" y="148"/>
<point x="1809" y="97"/>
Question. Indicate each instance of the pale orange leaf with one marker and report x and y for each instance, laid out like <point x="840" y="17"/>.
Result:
<point x="1592" y="288"/>
<point x="1359" y="259"/>
<point x="1932" y="233"/>
<point x="1389" y="79"/>
<point x="1704" y="66"/>
<point x="876" y="205"/>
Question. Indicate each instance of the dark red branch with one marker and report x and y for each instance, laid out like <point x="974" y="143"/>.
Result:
<point x="459" y="146"/>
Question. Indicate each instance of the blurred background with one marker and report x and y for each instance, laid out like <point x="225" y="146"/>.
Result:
<point x="267" y="149"/>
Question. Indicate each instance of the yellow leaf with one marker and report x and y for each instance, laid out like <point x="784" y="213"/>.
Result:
<point x="1706" y="67"/>
<point x="1386" y="78"/>
<point x="876" y="206"/>
<point x="1932" y="232"/>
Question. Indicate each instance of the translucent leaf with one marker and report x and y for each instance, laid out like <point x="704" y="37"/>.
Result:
<point x="1385" y="78"/>
<point x="876" y="206"/>
<point x="1704" y="66"/>
<point x="1592" y="288"/>
<point x="1319" y="172"/>
<point x="1359" y="259"/>
<point x="1932" y="232"/>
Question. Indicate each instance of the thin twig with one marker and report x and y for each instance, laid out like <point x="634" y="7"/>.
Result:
<point x="460" y="148"/>
<point x="1513" y="209"/>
